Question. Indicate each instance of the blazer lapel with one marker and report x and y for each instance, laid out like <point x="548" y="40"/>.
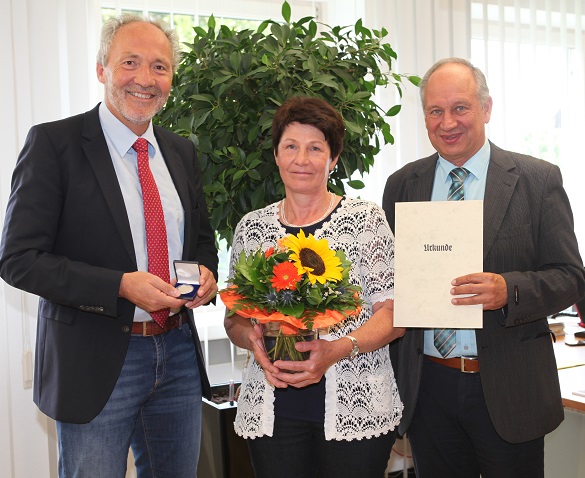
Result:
<point x="420" y="186"/>
<point x="98" y="155"/>
<point x="500" y="184"/>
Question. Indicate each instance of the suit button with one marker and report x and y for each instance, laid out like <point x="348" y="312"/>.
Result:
<point x="125" y="329"/>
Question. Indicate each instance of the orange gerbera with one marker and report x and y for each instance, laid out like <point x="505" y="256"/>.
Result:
<point x="286" y="276"/>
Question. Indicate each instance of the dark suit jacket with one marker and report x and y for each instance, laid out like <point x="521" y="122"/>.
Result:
<point x="67" y="239"/>
<point x="529" y="239"/>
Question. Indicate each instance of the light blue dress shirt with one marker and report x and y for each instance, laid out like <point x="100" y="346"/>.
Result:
<point x="474" y="188"/>
<point x="120" y="140"/>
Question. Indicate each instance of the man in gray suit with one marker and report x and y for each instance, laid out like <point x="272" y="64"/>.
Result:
<point x="484" y="405"/>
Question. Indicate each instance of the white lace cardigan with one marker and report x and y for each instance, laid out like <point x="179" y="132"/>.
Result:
<point x="361" y="397"/>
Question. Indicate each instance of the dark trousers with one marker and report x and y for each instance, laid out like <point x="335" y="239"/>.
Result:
<point x="451" y="433"/>
<point x="298" y="449"/>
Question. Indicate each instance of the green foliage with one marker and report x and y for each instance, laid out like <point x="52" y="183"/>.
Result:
<point x="230" y="83"/>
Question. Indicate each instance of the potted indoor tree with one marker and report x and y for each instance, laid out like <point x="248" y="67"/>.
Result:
<point x="231" y="81"/>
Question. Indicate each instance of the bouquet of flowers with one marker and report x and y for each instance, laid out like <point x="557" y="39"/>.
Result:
<point x="303" y="285"/>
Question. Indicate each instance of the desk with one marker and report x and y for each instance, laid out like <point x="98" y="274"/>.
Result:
<point x="571" y="365"/>
<point x="572" y="380"/>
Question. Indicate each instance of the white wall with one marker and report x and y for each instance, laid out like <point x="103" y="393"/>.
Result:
<point x="39" y="40"/>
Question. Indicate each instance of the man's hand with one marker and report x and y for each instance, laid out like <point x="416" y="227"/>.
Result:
<point x="207" y="288"/>
<point x="149" y="292"/>
<point x="486" y="288"/>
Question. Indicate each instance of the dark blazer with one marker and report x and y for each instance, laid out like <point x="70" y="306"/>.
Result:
<point x="529" y="239"/>
<point x="67" y="239"/>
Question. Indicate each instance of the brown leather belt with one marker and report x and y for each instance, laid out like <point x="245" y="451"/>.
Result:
<point x="464" y="364"/>
<point x="152" y="328"/>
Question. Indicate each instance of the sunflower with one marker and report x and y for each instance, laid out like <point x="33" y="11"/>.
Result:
<point x="314" y="257"/>
<point x="286" y="276"/>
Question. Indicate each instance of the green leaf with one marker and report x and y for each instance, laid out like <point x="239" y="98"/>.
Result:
<point x="394" y="110"/>
<point x="215" y="188"/>
<point x="388" y="138"/>
<point x="185" y="123"/>
<point x="312" y="28"/>
<point x="199" y="121"/>
<point x="356" y="184"/>
<point x="294" y="310"/>
<point x="415" y="80"/>
<point x="313" y="65"/>
<point x="221" y="79"/>
<point x="278" y="32"/>
<point x="239" y="174"/>
<point x="286" y="11"/>
<point x="353" y="127"/>
<point x="257" y="198"/>
<point x="253" y="174"/>
<point x="327" y="80"/>
<point x="206" y="98"/>
<point x="235" y="59"/>
<point x="199" y="31"/>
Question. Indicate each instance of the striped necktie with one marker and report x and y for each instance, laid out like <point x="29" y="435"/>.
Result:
<point x="444" y="339"/>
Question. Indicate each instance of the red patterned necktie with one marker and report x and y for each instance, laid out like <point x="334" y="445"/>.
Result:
<point x="154" y="219"/>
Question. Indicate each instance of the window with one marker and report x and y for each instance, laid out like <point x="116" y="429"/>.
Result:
<point x="532" y="55"/>
<point x="185" y="14"/>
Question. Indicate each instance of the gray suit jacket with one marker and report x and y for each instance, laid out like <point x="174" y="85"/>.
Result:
<point x="529" y="239"/>
<point x="67" y="239"/>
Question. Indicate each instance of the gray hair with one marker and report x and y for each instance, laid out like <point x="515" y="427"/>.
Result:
<point x="483" y="92"/>
<point x="112" y="25"/>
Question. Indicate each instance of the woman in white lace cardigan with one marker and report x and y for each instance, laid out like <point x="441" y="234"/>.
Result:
<point x="335" y="416"/>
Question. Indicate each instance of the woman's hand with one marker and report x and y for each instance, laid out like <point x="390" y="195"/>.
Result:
<point x="257" y="344"/>
<point x="248" y="336"/>
<point x="323" y="355"/>
<point x="376" y="332"/>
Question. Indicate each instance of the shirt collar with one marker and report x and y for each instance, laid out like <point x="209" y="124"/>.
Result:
<point x="121" y="137"/>
<point x="476" y="165"/>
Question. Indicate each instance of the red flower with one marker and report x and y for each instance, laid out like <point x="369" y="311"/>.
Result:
<point x="286" y="276"/>
<point x="269" y="252"/>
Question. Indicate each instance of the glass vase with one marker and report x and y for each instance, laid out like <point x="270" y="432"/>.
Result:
<point x="281" y="346"/>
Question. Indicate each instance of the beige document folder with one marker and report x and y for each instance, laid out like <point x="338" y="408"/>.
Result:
<point x="436" y="241"/>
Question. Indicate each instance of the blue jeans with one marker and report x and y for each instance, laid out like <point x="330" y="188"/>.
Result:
<point x="298" y="449"/>
<point x="155" y="408"/>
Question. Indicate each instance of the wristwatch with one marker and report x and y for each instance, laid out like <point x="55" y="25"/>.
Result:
<point x="355" y="350"/>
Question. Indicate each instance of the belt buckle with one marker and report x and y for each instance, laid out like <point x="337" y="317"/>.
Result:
<point x="463" y="359"/>
<point x="144" y="334"/>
